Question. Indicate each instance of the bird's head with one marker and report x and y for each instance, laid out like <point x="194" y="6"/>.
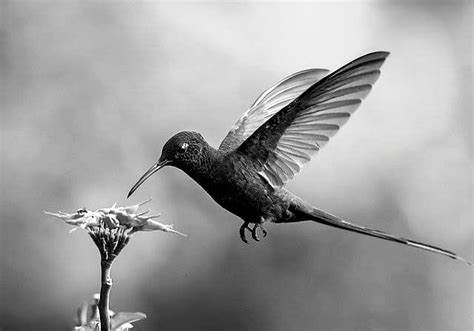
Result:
<point x="180" y="151"/>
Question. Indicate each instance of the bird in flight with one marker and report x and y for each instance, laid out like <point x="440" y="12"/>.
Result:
<point x="275" y="137"/>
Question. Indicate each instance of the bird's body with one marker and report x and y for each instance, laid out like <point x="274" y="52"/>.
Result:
<point x="280" y="132"/>
<point x="232" y="180"/>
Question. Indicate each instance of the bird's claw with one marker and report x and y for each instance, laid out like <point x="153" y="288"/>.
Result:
<point x="253" y="231"/>
<point x="242" y="232"/>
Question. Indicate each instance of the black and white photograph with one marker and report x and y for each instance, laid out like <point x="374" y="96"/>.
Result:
<point x="236" y="165"/>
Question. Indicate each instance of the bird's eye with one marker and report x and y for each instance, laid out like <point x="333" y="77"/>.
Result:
<point x="183" y="147"/>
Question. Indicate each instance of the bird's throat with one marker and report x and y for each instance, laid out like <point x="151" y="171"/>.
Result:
<point x="202" y="167"/>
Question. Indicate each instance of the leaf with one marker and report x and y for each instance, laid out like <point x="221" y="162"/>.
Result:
<point x="119" y="320"/>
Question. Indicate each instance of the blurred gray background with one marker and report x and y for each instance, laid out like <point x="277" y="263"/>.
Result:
<point x="91" y="91"/>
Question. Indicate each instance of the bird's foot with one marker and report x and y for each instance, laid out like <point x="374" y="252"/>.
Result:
<point x="253" y="231"/>
<point x="244" y="227"/>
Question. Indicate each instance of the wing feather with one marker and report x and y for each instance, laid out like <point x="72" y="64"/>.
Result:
<point x="289" y="137"/>
<point x="269" y="103"/>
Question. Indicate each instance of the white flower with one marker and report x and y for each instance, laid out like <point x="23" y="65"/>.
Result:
<point x="126" y="218"/>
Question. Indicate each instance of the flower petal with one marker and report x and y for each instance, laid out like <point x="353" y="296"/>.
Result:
<point x="152" y="225"/>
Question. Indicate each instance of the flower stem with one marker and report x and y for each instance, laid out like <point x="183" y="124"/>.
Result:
<point x="110" y="243"/>
<point x="104" y="302"/>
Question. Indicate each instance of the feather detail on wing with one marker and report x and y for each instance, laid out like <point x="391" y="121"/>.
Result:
<point x="289" y="138"/>
<point x="269" y="103"/>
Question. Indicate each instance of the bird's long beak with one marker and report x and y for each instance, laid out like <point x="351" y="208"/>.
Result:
<point x="147" y="174"/>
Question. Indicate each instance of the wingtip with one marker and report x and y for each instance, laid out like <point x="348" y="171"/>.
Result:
<point x="373" y="56"/>
<point x="382" y="54"/>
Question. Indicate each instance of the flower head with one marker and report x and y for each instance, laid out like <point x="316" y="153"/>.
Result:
<point x="111" y="228"/>
<point x="125" y="218"/>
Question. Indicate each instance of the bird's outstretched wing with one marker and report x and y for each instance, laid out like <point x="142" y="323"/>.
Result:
<point x="288" y="139"/>
<point x="269" y="103"/>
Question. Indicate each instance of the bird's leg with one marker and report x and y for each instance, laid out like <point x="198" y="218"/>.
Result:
<point x="244" y="227"/>
<point x="255" y="230"/>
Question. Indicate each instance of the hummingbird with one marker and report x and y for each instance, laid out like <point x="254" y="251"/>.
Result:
<point x="280" y="132"/>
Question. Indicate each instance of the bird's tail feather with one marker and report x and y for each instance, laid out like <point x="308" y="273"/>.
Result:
<point x="320" y="216"/>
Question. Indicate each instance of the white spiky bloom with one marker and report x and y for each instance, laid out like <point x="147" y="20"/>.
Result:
<point x="127" y="218"/>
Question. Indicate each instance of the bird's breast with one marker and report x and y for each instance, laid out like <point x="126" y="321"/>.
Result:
<point x="235" y="185"/>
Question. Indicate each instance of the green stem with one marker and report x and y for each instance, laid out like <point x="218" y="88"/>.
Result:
<point x="104" y="302"/>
